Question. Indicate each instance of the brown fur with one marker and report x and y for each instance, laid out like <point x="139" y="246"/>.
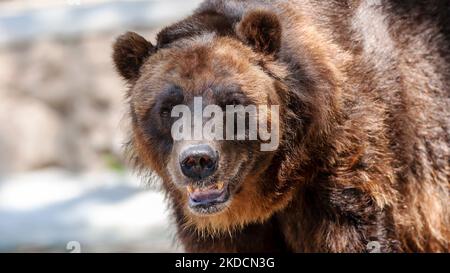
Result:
<point x="365" y="121"/>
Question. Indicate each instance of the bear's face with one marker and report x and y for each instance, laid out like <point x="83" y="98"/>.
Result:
<point x="214" y="179"/>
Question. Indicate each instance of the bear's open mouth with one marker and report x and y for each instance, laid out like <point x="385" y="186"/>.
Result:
<point x="208" y="199"/>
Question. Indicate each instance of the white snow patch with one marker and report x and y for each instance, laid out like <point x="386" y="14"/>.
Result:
<point x="104" y="212"/>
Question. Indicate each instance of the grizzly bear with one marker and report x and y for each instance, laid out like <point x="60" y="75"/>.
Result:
<point x="363" y="88"/>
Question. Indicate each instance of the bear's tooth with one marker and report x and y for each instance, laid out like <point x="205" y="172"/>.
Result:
<point x="220" y="185"/>
<point x="190" y="189"/>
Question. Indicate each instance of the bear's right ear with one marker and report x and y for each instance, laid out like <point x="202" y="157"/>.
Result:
<point x="129" y="53"/>
<point x="262" y="30"/>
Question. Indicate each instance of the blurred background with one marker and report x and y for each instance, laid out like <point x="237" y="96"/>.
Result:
<point x="64" y="184"/>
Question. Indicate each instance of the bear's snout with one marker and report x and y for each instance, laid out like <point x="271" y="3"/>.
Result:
<point x="198" y="161"/>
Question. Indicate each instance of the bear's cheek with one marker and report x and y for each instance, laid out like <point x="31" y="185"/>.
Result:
<point x="151" y="149"/>
<point x="173" y="169"/>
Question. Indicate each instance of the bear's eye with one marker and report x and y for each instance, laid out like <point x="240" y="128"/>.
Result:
<point x="165" y="112"/>
<point x="169" y="98"/>
<point x="234" y="102"/>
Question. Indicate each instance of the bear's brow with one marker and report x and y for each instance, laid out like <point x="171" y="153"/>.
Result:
<point x="172" y="93"/>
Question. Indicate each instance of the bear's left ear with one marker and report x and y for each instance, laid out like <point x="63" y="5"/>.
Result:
<point x="261" y="30"/>
<point x="129" y="53"/>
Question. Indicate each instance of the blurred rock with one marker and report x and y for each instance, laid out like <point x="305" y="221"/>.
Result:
<point x="31" y="135"/>
<point x="62" y="104"/>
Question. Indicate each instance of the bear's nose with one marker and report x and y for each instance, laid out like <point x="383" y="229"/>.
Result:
<point x="199" y="161"/>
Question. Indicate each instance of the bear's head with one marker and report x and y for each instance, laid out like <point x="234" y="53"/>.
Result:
<point x="211" y="60"/>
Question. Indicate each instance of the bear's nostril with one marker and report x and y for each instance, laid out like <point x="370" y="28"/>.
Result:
<point x="188" y="162"/>
<point x="206" y="162"/>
